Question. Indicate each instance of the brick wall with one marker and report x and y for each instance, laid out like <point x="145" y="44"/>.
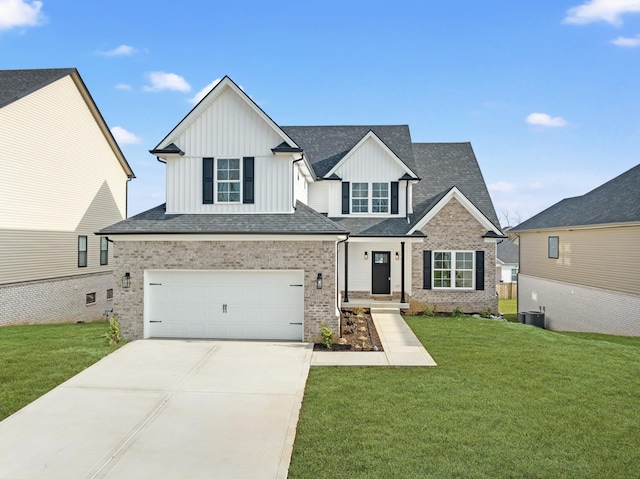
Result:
<point x="454" y="229"/>
<point x="60" y="300"/>
<point x="311" y="256"/>
<point x="572" y="307"/>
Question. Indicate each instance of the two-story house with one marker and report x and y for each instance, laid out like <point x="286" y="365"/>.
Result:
<point x="269" y="230"/>
<point x="62" y="177"/>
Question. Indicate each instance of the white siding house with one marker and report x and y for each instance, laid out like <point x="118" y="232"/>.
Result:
<point x="63" y="178"/>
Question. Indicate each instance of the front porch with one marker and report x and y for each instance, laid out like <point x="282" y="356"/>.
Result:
<point x="370" y="303"/>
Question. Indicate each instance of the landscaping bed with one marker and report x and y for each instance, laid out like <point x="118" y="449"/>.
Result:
<point x="358" y="333"/>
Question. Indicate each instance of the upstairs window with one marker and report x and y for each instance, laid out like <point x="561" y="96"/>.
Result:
<point x="228" y="180"/>
<point x="360" y="198"/>
<point x="380" y="197"/>
<point x="104" y="250"/>
<point x="82" y="251"/>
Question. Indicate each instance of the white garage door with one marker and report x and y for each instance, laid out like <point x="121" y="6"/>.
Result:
<point x="224" y="304"/>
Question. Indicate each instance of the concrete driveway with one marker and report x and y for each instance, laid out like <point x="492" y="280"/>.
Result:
<point x="165" y="409"/>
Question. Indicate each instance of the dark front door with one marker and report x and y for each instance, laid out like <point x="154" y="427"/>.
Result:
<point x="381" y="272"/>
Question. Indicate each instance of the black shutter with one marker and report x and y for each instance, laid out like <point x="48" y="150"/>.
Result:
<point x="247" y="180"/>
<point x="345" y="197"/>
<point x="480" y="270"/>
<point x="394" y="197"/>
<point x="426" y="269"/>
<point x="207" y="181"/>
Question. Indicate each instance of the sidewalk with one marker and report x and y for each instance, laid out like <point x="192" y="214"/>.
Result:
<point x="401" y="347"/>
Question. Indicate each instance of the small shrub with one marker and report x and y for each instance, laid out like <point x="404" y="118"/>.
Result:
<point x="485" y="313"/>
<point x="457" y="312"/>
<point x="359" y="312"/>
<point x="430" y="310"/>
<point x="327" y="336"/>
<point x="113" y="335"/>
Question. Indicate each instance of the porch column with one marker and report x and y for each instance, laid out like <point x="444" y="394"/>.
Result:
<point x="346" y="273"/>
<point x="402" y="271"/>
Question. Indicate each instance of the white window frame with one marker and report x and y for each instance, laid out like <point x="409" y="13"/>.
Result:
<point x="370" y="198"/>
<point x="218" y="181"/>
<point x="453" y="269"/>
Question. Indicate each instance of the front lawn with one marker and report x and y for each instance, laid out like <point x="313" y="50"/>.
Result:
<point x="505" y="401"/>
<point x="35" y="359"/>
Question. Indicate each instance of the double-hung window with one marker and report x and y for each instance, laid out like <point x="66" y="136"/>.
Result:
<point x="82" y="251"/>
<point x="360" y="197"/>
<point x="453" y="269"/>
<point x="104" y="250"/>
<point x="380" y="197"/>
<point x="228" y="180"/>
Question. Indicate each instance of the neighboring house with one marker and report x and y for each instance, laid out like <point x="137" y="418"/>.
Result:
<point x="507" y="263"/>
<point x="268" y="230"/>
<point x="579" y="260"/>
<point x="63" y="177"/>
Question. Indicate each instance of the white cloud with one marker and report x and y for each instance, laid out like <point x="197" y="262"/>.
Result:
<point x="123" y="86"/>
<point x="627" y="42"/>
<point x="502" y="186"/>
<point x="167" y="81"/>
<point x="542" y="119"/>
<point x="121" y="51"/>
<point x="608" y="11"/>
<point x="536" y="185"/>
<point x="202" y="93"/>
<point x="124" y="137"/>
<point x="20" y="13"/>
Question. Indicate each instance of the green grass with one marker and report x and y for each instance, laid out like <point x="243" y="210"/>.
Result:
<point x="509" y="307"/>
<point x="35" y="359"/>
<point x="505" y="401"/>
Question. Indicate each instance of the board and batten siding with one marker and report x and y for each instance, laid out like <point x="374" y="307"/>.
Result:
<point x="319" y="194"/>
<point x="370" y="163"/>
<point x="229" y="128"/>
<point x="60" y="179"/>
<point x="607" y="258"/>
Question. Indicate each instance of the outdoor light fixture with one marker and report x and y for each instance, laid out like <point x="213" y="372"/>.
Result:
<point x="126" y="280"/>
<point x="366" y="255"/>
<point x="397" y="255"/>
<point x="319" y="281"/>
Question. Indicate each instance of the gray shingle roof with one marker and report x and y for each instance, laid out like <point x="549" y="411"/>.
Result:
<point x="325" y="146"/>
<point x="16" y="84"/>
<point x="155" y="221"/>
<point x="374" y="226"/>
<point x="443" y="166"/>
<point x="508" y="252"/>
<point x="617" y="201"/>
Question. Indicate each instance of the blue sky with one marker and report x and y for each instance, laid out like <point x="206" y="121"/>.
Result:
<point x="547" y="91"/>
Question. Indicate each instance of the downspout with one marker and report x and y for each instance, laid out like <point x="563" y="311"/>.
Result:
<point x="293" y="181"/>
<point x="346" y="272"/>
<point x="402" y="299"/>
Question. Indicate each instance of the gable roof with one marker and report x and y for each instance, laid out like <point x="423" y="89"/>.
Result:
<point x="226" y="82"/>
<point x="17" y="84"/>
<point x="443" y="166"/>
<point x="326" y="146"/>
<point x="508" y="252"/>
<point x="303" y="221"/>
<point x="617" y="201"/>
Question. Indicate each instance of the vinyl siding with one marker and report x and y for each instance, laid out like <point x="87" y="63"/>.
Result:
<point x="59" y="179"/>
<point x="229" y="128"/>
<point x="607" y="258"/>
<point x="56" y="162"/>
<point x="319" y="196"/>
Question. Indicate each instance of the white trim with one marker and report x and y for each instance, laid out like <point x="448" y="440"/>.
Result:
<point x="226" y="82"/>
<point x="464" y="201"/>
<point x="381" y="143"/>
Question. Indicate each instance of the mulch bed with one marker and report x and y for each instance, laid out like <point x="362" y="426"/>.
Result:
<point x="358" y="334"/>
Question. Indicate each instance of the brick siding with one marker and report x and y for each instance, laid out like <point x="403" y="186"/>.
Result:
<point x="60" y="300"/>
<point x="311" y="256"/>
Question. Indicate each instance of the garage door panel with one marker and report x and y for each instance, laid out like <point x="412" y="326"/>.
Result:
<point x="225" y="304"/>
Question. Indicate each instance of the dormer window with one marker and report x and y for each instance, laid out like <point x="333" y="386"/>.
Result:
<point x="369" y="197"/>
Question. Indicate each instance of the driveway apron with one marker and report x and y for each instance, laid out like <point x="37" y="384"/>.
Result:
<point x="165" y="409"/>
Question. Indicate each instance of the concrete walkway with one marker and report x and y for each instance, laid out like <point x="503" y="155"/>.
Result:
<point x="165" y="409"/>
<point x="401" y="347"/>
